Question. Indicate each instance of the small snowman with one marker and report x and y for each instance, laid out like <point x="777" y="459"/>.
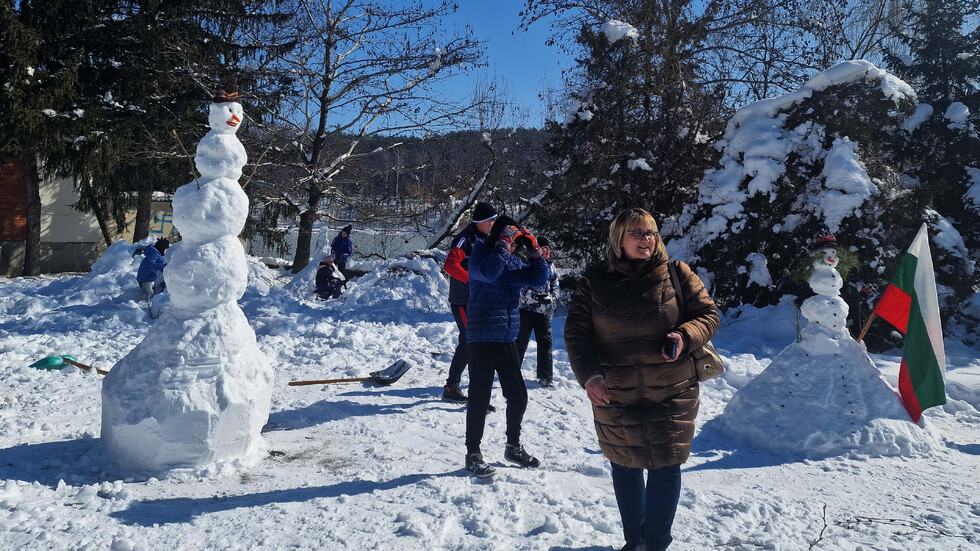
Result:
<point x="197" y="389"/>
<point x="823" y="396"/>
<point x="826" y="311"/>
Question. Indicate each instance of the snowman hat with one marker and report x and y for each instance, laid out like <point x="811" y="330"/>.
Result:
<point x="228" y="93"/>
<point x="824" y="238"/>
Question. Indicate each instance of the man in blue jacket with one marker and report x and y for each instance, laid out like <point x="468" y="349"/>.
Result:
<point x="456" y="265"/>
<point x="150" y="273"/>
<point x="496" y="277"/>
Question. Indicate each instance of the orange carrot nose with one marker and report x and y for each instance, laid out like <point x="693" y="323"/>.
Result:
<point x="236" y="118"/>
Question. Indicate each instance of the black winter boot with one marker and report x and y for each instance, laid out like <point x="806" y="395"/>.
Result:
<point x="517" y="454"/>
<point x="479" y="468"/>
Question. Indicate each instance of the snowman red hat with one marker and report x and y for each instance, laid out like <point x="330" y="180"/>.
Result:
<point x="823" y="238"/>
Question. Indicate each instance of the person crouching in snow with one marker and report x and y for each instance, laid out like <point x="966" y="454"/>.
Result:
<point x="329" y="280"/>
<point x="150" y="273"/>
<point x="496" y="276"/>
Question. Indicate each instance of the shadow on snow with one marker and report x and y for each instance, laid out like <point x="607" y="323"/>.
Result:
<point x="712" y="442"/>
<point x="184" y="509"/>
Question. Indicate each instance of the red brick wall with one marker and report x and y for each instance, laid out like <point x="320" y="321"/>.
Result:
<point x="13" y="202"/>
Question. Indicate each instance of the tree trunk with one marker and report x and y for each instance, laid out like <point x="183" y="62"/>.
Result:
<point x="141" y="228"/>
<point x="100" y="218"/>
<point x="305" y="237"/>
<point x="32" y="254"/>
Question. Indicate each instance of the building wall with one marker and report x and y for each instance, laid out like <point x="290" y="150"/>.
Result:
<point x="60" y="223"/>
<point x="13" y="202"/>
<point x="71" y="240"/>
<point x="13" y="217"/>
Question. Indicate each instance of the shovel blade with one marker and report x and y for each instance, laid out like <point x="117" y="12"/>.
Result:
<point x="394" y="372"/>
<point x="52" y="363"/>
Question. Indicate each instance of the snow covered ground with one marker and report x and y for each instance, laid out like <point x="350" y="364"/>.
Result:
<point x="357" y="466"/>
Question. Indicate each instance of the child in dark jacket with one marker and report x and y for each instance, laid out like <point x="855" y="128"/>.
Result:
<point x="342" y="248"/>
<point x="329" y="280"/>
<point x="495" y="278"/>
<point x="537" y="307"/>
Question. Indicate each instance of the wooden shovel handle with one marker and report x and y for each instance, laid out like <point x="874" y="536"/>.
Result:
<point x="330" y="381"/>
<point x="83" y="366"/>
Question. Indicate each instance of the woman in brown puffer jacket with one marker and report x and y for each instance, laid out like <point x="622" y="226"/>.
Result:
<point x="622" y="322"/>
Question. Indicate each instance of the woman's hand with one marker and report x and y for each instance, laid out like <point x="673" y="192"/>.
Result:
<point x="597" y="391"/>
<point x="679" y="340"/>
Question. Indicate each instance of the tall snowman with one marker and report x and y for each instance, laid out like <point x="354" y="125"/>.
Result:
<point x="824" y="396"/>
<point x="197" y="389"/>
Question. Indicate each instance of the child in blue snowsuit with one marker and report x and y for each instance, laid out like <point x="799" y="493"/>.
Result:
<point x="341" y="247"/>
<point x="150" y="273"/>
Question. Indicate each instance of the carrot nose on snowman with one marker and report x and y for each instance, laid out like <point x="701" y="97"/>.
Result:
<point x="235" y="119"/>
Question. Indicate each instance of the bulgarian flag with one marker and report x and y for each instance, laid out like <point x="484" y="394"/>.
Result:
<point x="911" y="304"/>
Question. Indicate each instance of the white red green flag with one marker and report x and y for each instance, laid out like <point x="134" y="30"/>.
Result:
<point x="910" y="303"/>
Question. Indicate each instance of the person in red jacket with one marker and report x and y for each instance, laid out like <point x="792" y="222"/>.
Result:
<point x="459" y="291"/>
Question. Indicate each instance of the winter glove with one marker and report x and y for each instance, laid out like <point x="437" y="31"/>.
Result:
<point x="507" y="237"/>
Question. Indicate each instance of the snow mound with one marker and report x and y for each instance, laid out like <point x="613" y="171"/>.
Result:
<point x="181" y="397"/>
<point x="823" y="406"/>
<point x="415" y="283"/>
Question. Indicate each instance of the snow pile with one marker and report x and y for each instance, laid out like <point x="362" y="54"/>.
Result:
<point x="197" y="389"/>
<point x="113" y="274"/>
<point x="414" y="283"/>
<point x="824" y="396"/>
<point x="618" y="30"/>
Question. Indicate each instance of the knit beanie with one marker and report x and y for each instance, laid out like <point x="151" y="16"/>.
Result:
<point x="483" y="212"/>
<point x="347" y="229"/>
<point x="543" y="242"/>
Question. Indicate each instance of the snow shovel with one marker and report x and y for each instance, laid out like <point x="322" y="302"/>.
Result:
<point x="384" y="377"/>
<point x="55" y="363"/>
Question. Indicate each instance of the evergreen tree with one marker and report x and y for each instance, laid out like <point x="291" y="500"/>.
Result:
<point x="39" y="105"/>
<point x="821" y="156"/>
<point x="113" y="80"/>
<point x="941" y="152"/>
<point x="640" y="128"/>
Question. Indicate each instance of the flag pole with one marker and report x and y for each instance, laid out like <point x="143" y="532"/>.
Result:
<point x="866" y="326"/>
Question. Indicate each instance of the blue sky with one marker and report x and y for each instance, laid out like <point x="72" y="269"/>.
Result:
<point x="520" y="58"/>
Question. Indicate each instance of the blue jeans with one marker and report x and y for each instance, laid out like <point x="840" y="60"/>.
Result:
<point x="647" y="509"/>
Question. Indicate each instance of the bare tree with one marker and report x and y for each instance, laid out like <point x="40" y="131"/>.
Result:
<point x="362" y="69"/>
<point x="858" y="29"/>
<point x="489" y="118"/>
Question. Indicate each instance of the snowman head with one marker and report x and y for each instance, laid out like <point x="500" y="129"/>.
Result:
<point x="226" y="113"/>
<point x="225" y="117"/>
<point x="828" y="256"/>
